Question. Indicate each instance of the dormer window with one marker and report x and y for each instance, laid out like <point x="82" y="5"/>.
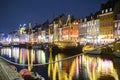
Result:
<point x="106" y="10"/>
<point x="102" y="11"/>
<point x="110" y="9"/>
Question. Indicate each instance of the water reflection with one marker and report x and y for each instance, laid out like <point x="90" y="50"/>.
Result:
<point x="83" y="67"/>
<point x="24" y="56"/>
<point x="40" y="56"/>
<point x="96" y="67"/>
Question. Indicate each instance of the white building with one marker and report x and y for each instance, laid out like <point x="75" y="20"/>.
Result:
<point x="82" y="30"/>
<point x="93" y="31"/>
<point x="89" y="30"/>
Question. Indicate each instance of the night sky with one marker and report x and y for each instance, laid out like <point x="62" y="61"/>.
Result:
<point x="16" y="12"/>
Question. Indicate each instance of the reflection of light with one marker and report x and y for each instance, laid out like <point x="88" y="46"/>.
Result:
<point x="23" y="55"/>
<point x="77" y="67"/>
<point x="99" y="37"/>
<point x="32" y="56"/>
<point x="96" y="67"/>
<point x="39" y="37"/>
<point x="50" y="66"/>
<point x="54" y="70"/>
<point x="74" y="69"/>
<point x="71" y="74"/>
<point x="20" y="58"/>
<point x="9" y="53"/>
<point x="17" y="54"/>
<point x="29" y="60"/>
<point x="60" y="65"/>
<point x="41" y="57"/>
<point x="6" y="51"/>
<point x="38" y="58"/>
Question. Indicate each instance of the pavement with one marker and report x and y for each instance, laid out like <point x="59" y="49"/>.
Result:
<point x="7" y="73"/>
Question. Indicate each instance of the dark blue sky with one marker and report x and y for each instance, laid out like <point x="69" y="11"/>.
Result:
<point x="16" y="12"/>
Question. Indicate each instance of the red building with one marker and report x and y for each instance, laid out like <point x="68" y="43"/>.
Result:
<point x="70" y="32"/>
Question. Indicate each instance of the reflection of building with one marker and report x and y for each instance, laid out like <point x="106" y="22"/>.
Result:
<point x="96" y="67"/>
<point x="106" y="25"/>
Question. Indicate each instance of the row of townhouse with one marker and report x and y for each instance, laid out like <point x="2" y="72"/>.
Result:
<point x="65" y="28"/>
<point x="103" y="27"/>
<point x="99" y="28"/>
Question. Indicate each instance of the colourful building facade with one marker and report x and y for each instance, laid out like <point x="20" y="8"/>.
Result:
<point x="70" y="32"/>
<point x="106" y="26"/>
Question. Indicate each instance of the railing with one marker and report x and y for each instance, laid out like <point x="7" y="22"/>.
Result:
<point x="2" y="76"/>
<point x="7" y="73"/>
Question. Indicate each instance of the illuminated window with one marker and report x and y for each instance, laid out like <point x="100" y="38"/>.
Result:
<point x="110" y="9"/>
<point x="76" y="22"/>
<point x="102" y="11"/>
<point x="87" y="24"/>
<point x="119" y="24"/>
<point x="95" y="22"/>
<point x="106" y="10"/>
<point x="115" y="25"/>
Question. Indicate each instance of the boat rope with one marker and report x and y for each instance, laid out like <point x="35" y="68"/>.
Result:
<point x="41" y="63"/>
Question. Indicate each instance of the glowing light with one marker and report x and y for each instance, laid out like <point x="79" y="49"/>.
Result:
<point x="96" y="67"/>
<point x="24" y="24"/>
<point x="41" y="57"/>
<point x="20" y="25"/>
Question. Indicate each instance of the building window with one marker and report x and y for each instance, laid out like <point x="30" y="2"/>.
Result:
<point x="88" y="24"/>
<point x="110" y="9"/>
<point x="102" y="11"/>
<point x="85" y="19"/>
<point x="119" y="24"/>
<point x="115" y="25"/>
<point x="106" y="10"/>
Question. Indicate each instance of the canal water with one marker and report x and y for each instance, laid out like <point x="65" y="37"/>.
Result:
<point x="64" y="66"/>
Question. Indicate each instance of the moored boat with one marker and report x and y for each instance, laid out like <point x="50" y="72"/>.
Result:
<point x="28" y="75"/>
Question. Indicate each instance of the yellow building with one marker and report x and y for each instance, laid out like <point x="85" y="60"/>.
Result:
<point x="106" y="26"/>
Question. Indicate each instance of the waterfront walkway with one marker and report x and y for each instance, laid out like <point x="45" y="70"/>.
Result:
<point x="7" y="73"/>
